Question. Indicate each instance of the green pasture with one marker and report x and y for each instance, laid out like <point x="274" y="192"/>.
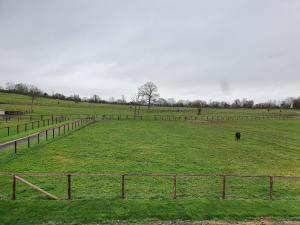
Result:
<point x="142" y="211"/>
<point x="164" y="147"/>
<point x="268" y="147"/>
<point x="48" y="106"/>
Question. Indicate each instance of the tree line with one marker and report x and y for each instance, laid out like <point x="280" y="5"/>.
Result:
<point x="148" y="95"/>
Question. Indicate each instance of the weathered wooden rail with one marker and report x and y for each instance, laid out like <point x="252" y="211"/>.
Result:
<point x="191" y="118"/>
<point x="16" y="129"/>
<point x="58" y="130"/>
<point x="223" y="177"/>
<point x="19" y="128"/>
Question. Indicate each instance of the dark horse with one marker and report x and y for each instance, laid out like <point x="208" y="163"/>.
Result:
<point x="237" y="136"/>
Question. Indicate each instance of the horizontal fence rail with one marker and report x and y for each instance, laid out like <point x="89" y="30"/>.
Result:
<point x="26" y="117"/>
<point x="222" y="193"/>
<point x="145" y="113"/>
<point x="51" y="132"/>
<point x="19" y="128"/>
<point x="190" y="118"/>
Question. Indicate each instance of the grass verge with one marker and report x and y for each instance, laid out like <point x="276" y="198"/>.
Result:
<point x="102" y="211"/>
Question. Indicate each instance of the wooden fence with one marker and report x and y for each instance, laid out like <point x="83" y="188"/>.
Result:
<point x="26" y="117"/>
<point x="185" y="118"/>
<point x="12" y="130"/>
<point x="43" y="120"/>
<point x="51" y="132"/>
<point x="175" y="177"/>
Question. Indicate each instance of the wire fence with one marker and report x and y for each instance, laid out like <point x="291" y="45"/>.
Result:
<point x="72" y="186"/>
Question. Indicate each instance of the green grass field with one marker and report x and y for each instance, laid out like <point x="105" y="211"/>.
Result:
<point x="268" y="147"/>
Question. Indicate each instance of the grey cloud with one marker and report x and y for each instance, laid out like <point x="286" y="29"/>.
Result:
<point x="190" y="49"/>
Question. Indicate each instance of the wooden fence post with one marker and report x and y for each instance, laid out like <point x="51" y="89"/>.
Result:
<point x="174" y="186"/>
<point x="69" y="187"/>
<point x="59" y="131"/>
<point x="7" y="131"/>
<point x="28" y="142"/>
<point x="14" y="186"/>
<point x="15" y="147"/>
<point x="224" y="187"/>
<point x="38" y="138"/>
<point x="46" y="135"/>
<point x="271" y="188"/>
<point x="122" y="186"/>
<point x="53" y="131"/>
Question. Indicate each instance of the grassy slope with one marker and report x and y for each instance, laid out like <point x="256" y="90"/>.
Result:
<point x="163" y="147"/>
<point x="147" y="146"/>
<point x="46" y="106"/>
<point x="268" y="147"/>
<point x="49" y="106"/>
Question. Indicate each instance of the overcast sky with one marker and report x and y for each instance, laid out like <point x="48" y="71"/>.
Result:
<point x="210" y="50"/>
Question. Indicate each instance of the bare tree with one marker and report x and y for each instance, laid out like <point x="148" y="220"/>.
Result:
<point x="171" y="101"/>
<point x="296" y="103"/>
<point x="111" y="100"/>
<point x="95" y="98"/>
<point x="162" y="102"/>
<point x="10" y="86"/>
<point x="149" y="91"/>
<point x="34" y="93"/>
<point x="137" y="99"/>
<point x="123" y="99"/>
<point x="236" y="103"/>
<point x="287" y="103"/>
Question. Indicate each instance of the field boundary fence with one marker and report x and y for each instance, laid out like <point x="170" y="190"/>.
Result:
<point x="16" y="129"/>
<point x="23" y="116"/>
<point x="43" y="120"/>
<point x="222" y="193"/>
<point x="185" y="118"/>
<point x="6" y="118"/>
<point x="18" y="115"/>
<point x="50" y="132"/>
